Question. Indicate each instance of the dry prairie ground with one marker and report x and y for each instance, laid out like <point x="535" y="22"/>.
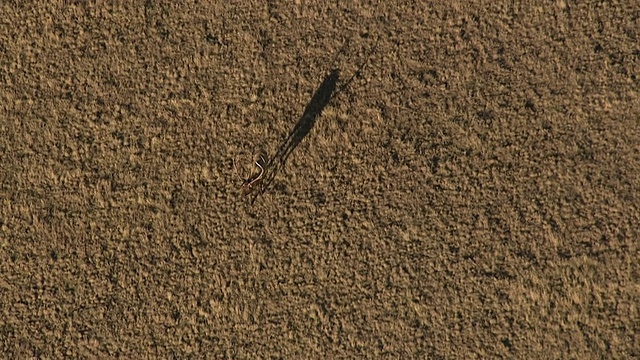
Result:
<point x="473" y="193"/>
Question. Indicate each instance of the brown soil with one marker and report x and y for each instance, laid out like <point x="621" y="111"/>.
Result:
<point x="473" y="193"/>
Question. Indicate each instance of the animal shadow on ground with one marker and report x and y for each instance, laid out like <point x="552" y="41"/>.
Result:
<point x="312" y="111"/>
<point x="327" y="90"/>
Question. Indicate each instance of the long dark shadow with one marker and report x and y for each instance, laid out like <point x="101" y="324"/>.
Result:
<point x="320" y="99"/>
<point x="312" y="111"/>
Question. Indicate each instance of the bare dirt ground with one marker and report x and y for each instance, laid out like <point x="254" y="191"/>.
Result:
<point x="473" y="193"/>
